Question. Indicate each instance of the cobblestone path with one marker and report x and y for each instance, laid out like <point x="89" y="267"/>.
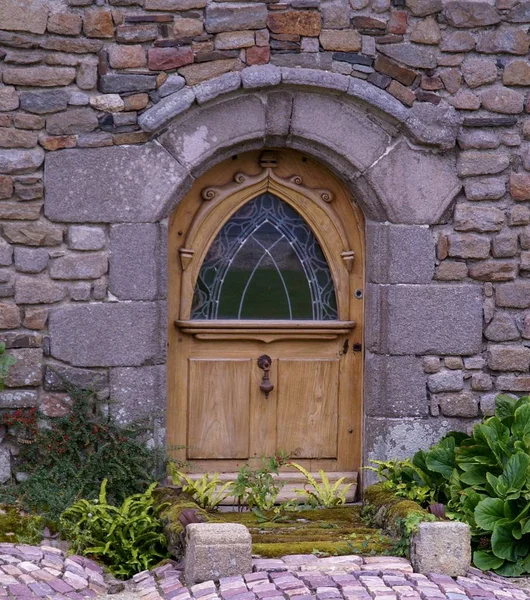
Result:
<point x="306" y="577"/>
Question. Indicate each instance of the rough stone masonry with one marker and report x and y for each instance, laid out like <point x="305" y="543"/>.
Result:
<point x="86" y="85"/>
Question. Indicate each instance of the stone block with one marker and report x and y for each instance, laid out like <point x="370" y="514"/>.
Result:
<point x="441" y="547"/>
<point x="417" y="57"/>
<point x="44" y="101"/>
<point x="29" y="260"/>
<point x="167" y="109"/>
<point x="227" y="16"/>
<point x="41" y="76"/>
<point x="24" y="15"/>
<point x="38" y="233"/>
<point x="37" y="290"/>
<point x="509" y="358"/>
<point x="138" y="394"/>
<point x="208" y="90"/>
<point x="76" y="120"/>
<point x="119" y="83"/>
<point x="195" y="136"/>
<point x="468" y="246"/>
<point x="107" y="334"/>
<point x="57" y="378"/>
<point x="470" y="14"/>
<point x="502" y="328"/>
<point x="491" y="188"/>
<point x="474" y="162"/>
<point x="13" y="162"/>
<point x="27" y="370"/>
<point x="134" y="266"/>
<point x="423" y="196"/>
<point x="5" y="464"/>
<point x="79" y="266"/>
<point x="478" y="218"/>
<point x="395" y="386"/>
<point x="513" y="295"/>
<point x="399" y="253"/>
<point x="340" y="126"/>
<point x="424" y="319"/>
<point x="122" y="183"/>
<point x="446" y="381"/>
<point x="19" y="399"/>
<point x="83" y="237"/>
<point x="215" y="550"/>
<point x="9" y="316"/>
<point x="463" y="404"/>
<point x="261" y="76"/>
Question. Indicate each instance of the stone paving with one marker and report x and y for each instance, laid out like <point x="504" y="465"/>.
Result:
<point x="307" y="577"/>
<point x="45" y="572"/>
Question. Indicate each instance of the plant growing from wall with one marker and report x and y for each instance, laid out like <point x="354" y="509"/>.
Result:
<point x="6" y="361"/>
<point x="70" y="456"/>
<point x="129" y="538"/>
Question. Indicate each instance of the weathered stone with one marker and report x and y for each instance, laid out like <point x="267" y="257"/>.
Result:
<point x="37" y="290"/>
<point x="138" y="394"/>
<point x="16" y="138"/>
<point x="9" y="99"/>
<point x="413" y="56"/>
<point x="519" y="215"/>
<point x="140" y="101"/>
<point x="520" y="186"/>
<point x="431" y="364"/>
<point x="232" y="40"/>
<point x="426" y="31"/>
<point x="24" y="15"/>
<point x="511" y="383"/>
<point x="502" y="328"/>
<point x="174" y="5"/>
<point x="457" y="41"/>
<point x="465" y="100"/>
<point x="416" y="201"/>
<point x="80" y="291"/>
<point x="76" y="45"/>
<point x="31" y="260"/>
<point x="136" y="34"/>
<point x="126" y="57"/>
<point x="340" y="41"/>
<point x="478" y="218"/>
<point x="227" y="16"/>
<point x="98" y="24"/>
<point x="22" y="211"/>
<point x="38" y="233"/>
<point x="216" y="550"/>
<point x="261" y="76"/>
<point x="513" y="295"/>
<point x="42" y="76"/>
<point x="44" y="101"/>
<point x="169" y="58"/>
<point x="478" y="139"/>
<point x="257" y="55"/>
<point x="197" y="73"/>
<point x="481" y="382"/>
<point x="79" y="266"/>
<point x="134" y="271"/>
<point x="133" y="178"/>
<point x="457" y="405"/>
<point x="395" y="386"/>
<point x="64" y="23"/>
<point x="491" y="188"/>
<point x="54" y="405"/>
<point x="9" y="316"/>
<point x="391" y="68"/>
<point x="525" y="238"/>
<point x="482" y="163"/>
<point x="470" y="14"/>
<point x="510" y="41"/>
<point x="57" y="378"/>
<point x="454" y="362"/>
<point x="35" y="317"/>
<point x="450" y="270"/>
<point x="405" y="254"/>
<point x="83" y="237"/>
<point x="502" y="100"/>
<point x="187" y="28"/>
<point x="107" y="103"/>
<point x="443" y="547"/>
<point x="508" y="358"/>
<point x="422" y="8"/>
<point x="520" y="13"/>
<point x="478" y="71"/>
<point x="517" y="73"/>
<point x="27" y="370"/>
<point x="18" y="399"/>
<point x="75" y="120"/>
<point x="297" y="22"/>
<point x="504" y="245"/>
<point x="424" y="319"/>
<point x="446" y="381"/>
<point x="107" y="334"/>
<point x="6" y="187"/>
<point x="122" y="83"/>
<point x="468" y="246"/>
<point x="451" y="79"/>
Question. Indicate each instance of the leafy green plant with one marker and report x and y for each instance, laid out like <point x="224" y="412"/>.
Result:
<point x="207" y="491"/>
<point x="6" y="361"/>
<point x="71" y="455"/>
<point x="323" y="494"/>
<point x="257" y="488"/>
<point x="129" y="538"/>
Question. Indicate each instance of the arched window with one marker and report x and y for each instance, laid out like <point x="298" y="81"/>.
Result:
<point x="265" y="263"/>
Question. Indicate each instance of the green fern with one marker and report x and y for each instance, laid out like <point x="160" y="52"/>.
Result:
<point x="207" y="491"/>
<point x="323" y="494"/>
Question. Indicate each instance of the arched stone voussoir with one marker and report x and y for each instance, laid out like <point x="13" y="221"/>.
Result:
<point x="415" y="186"/>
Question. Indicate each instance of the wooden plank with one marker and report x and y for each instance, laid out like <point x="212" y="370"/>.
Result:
<point x="308" y="407"/>
<point x="218" y="408"/>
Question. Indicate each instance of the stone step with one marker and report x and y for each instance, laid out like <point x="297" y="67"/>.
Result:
<point x="292" y="482"/>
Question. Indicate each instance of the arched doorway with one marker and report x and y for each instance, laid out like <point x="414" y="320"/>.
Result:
<point x="265" y="306"/>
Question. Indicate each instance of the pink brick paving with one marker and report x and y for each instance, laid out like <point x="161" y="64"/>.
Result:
<point x="306" y="577"/>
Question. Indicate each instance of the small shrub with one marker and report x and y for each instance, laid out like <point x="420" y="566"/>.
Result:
<point x="129" y="539"/>
<point x="68" y="457"/>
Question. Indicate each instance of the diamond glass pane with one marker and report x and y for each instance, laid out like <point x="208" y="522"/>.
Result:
<point x="265" y="263"/>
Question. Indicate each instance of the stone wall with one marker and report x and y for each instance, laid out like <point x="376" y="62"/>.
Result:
<point x="86" y="84"/>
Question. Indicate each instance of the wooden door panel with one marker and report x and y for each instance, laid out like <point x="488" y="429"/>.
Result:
<point x="307" y="415"/>
<point x="219" y="408"/>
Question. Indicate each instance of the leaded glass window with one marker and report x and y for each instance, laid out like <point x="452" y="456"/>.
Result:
<point x="265" y="263"/>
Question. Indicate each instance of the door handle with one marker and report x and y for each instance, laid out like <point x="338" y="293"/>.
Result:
<point x="264" y="363"/>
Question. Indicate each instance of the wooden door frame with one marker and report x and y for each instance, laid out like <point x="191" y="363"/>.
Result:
<point x="322" y="200"/>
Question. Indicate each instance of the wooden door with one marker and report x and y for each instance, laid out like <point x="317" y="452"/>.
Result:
<point x="266" y="259"/>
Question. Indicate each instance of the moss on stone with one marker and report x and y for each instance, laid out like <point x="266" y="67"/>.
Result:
<point x="19" y="527"/>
